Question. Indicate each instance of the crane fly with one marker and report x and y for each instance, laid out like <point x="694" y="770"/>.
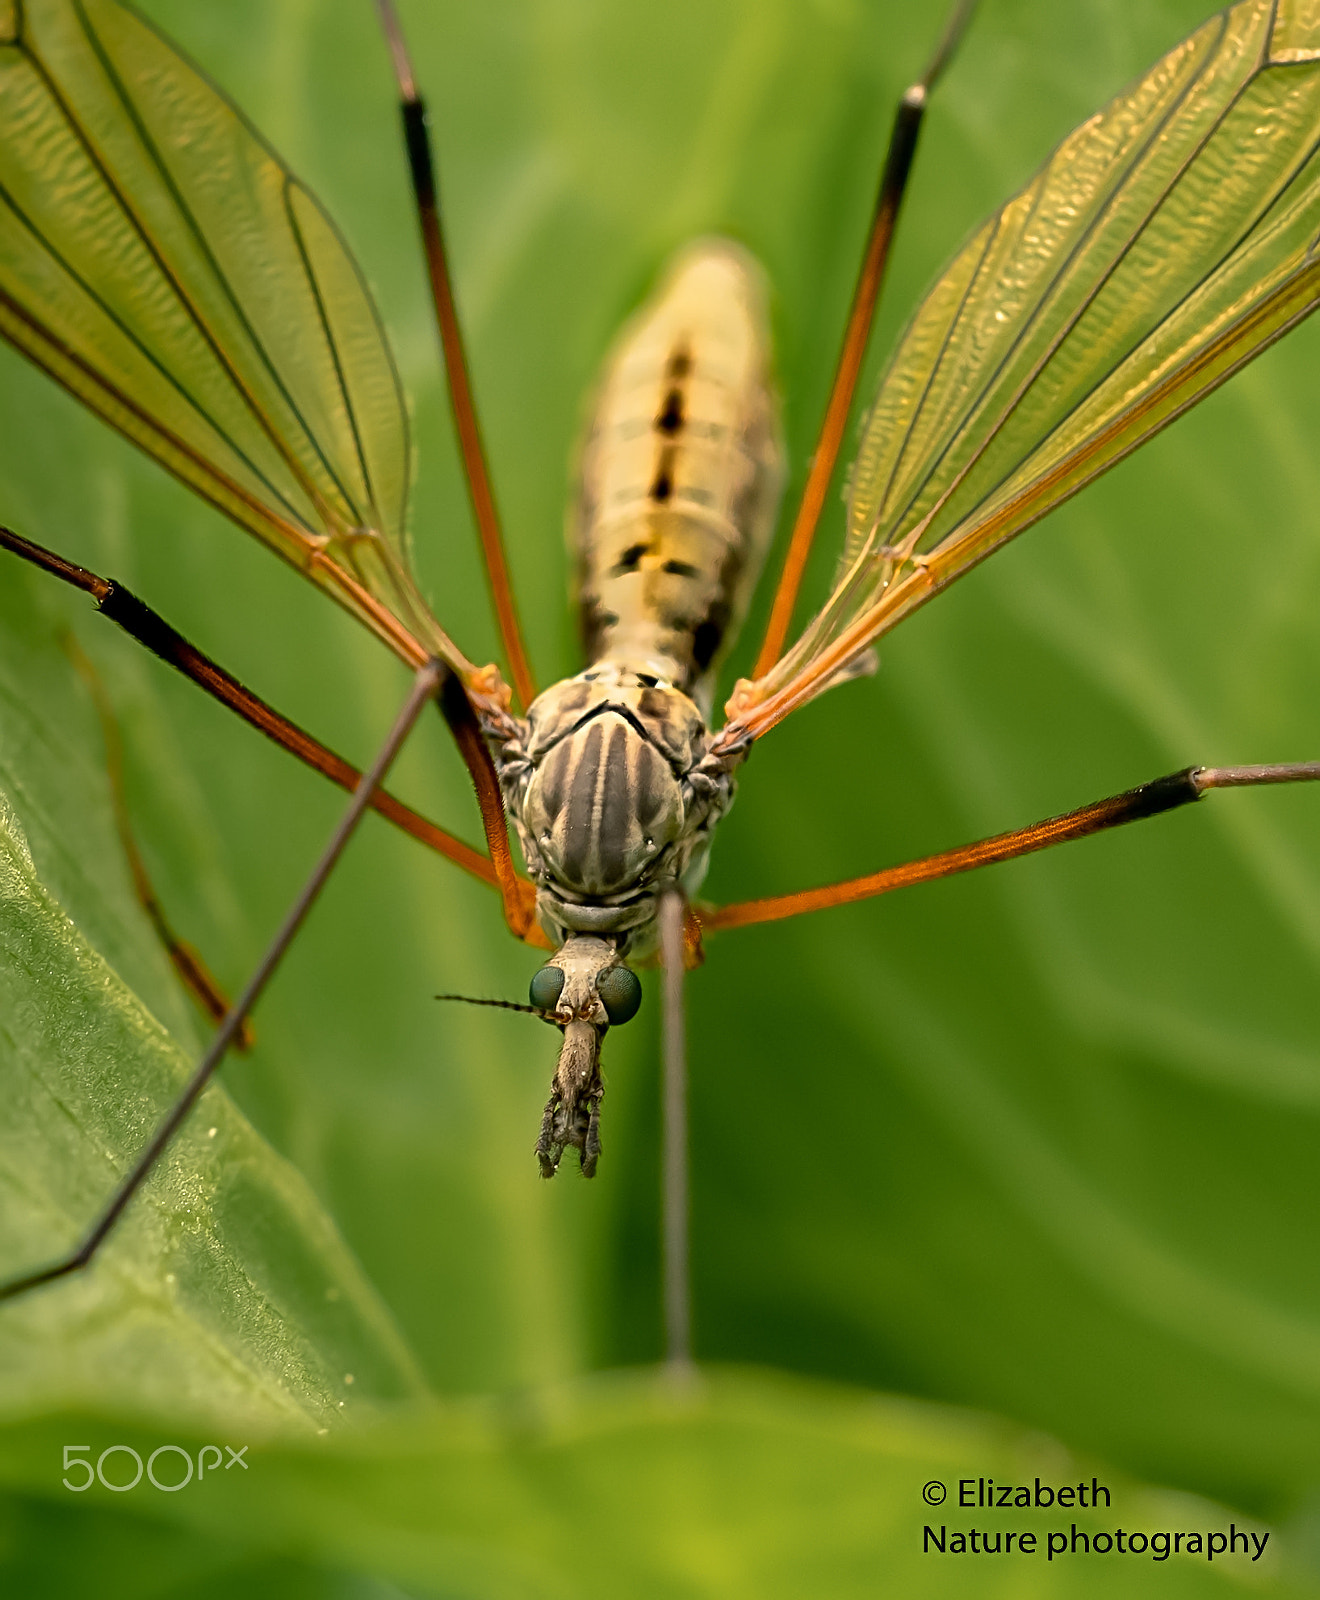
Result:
<point x="161" y="262"/>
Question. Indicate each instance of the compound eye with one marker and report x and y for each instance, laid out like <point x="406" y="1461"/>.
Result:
<point x="620" y="992"/>
<point x="546" y="987"/>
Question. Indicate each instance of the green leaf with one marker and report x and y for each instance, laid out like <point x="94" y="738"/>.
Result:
<point x="228" y="1292"/>
<point x="624" y="1486"/>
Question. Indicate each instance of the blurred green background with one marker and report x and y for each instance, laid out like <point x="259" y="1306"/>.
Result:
<point x="1039" y="1142"/>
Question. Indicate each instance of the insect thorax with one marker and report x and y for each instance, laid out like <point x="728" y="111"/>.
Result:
<point x="611" y="801"/>
<point x="681" y="473"/>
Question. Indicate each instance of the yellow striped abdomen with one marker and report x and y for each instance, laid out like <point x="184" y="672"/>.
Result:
<point x="681" y="475"/>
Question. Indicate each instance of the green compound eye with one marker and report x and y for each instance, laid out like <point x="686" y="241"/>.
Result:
<point x="545" y="988"/>
<point x="620" y="992"/>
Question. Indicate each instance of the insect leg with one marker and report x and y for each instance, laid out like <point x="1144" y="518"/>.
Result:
<point x="1147" y="800"/>
<point x="889" y="197"/>
<point x="677" y="1279"/>
<point x="150" y="629"/>
<point x="421" y="167"/>
<point x="186" y="960"/>
<point x="425" y="685"/>
<point x="517" y="893"/>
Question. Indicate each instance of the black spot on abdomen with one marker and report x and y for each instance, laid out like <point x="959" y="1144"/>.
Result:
<point x="708" y="635"/>
<point x="629" y="561"/>
<point x="670" y="419"/>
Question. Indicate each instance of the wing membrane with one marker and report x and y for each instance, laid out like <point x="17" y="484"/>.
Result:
<point x="1165" y="243"/>
<point x="160" y="261"/>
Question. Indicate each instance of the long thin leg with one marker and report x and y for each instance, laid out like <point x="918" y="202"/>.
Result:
<point x="150" y="629"/>
<point x="518" y="894"/>
<point x="677" y="1280"/>
<point x="191" y="971"/>
<point x="1148" y="800"/>
<point x="889" y="197"/>
<point x="421" y="167"/>
<point x="428" y="680"/>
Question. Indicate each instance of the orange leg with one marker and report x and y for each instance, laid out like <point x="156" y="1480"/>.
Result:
<point x="189" y="967"/>
<point x="1164" y="794"/>
<point x="517" y="893"/>
<point x="421" y="166"/>
<point x="151" y="630"/>
<point x="889" y="197"/>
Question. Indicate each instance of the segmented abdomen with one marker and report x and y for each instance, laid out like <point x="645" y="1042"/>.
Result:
<point x="681" y="474"/>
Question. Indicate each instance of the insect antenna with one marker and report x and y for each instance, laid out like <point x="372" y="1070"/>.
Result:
<point x="500" y="1005"/>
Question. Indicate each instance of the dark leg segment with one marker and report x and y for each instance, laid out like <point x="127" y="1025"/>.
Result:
<point x="421" y="167"/>
<point x="1148" y="800"/>
<point x="517" y="893"/>
<point x="889" y="197"/>
<point x="425" y="685"/>
<point x="140" y="622"/>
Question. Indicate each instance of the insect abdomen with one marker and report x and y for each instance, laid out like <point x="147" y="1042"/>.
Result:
<point x="681" y="474"/>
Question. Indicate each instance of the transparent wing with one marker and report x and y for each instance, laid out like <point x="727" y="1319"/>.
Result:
<point x="159" y="260"/>
<point x="1165" y="243"/>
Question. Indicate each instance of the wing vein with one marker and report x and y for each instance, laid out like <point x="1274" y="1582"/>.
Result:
<point x="186" y="301"/>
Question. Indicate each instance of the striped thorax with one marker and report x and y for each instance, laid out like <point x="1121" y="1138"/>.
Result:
<point x="609" y="781"/>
